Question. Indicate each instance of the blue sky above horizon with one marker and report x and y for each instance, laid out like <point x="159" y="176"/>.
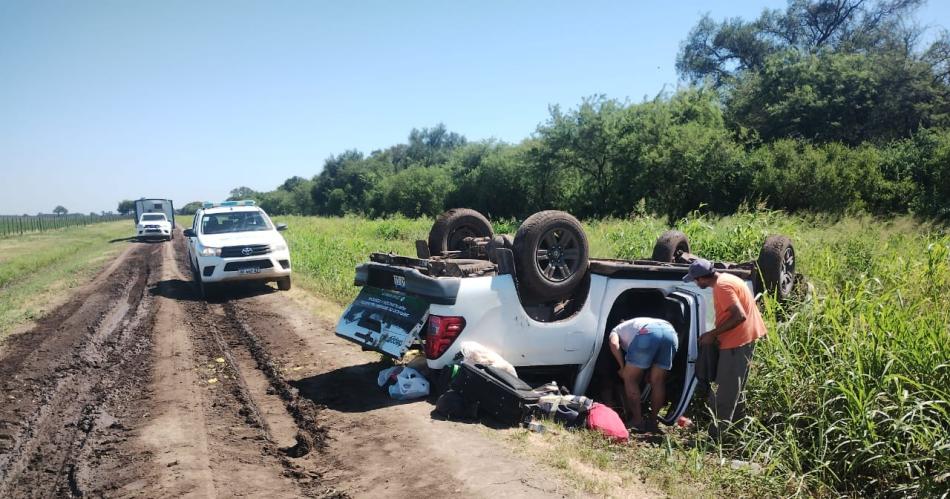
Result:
<point x="108" y="100"/>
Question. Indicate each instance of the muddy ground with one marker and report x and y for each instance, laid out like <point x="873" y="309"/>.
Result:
<point x="135" y="387"/>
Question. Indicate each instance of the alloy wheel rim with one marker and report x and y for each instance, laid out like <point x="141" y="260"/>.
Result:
<point x="558" y="255"/>
<point x="788" y="271"/>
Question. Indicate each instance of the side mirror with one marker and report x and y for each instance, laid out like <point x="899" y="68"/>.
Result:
<point x="189" y="233"/>
<point x="281" y="226"/>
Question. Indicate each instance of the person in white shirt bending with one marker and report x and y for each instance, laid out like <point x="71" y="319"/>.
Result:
<point x="641" y="345"/>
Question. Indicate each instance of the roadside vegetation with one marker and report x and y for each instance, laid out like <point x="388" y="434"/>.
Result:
<point x="38" y="269"/>
<point x="850" y="389"/>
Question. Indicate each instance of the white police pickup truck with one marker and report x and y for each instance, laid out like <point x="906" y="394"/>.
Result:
<point x="153" y="226"/>
<point x="236" y="241"/>
<point x="539" y="301"/>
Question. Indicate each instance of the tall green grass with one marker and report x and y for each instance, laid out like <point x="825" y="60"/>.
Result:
<point x="850" y="391"/>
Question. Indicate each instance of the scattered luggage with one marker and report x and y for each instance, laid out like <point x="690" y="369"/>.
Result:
<point x="478" y="390"/>
<point x="451" y="405"/>
<point x="499" y="395"/>
<point x="405" y="383"/>
<point x="476" y="353"/>
<point x="569" y="410"/>
<point x="388" y="375"/>
<point x="606" y="420"/>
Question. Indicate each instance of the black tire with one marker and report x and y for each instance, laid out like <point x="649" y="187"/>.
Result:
<point x="551" y="256"/>
<point x="453" y="226"/>
<point x="668" y="244"/>
<point x="204" y="290"/>
<point x="776" y="267"/>
<point x="283" y="283"/>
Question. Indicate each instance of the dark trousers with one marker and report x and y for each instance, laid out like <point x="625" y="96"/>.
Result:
<point x="726" y="400"/>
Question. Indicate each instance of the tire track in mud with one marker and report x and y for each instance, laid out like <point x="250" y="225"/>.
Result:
<point x="311" y="435"/>
<point x="110" y="394"/>
<point x="59" y="377"/>
<point x="220" y="334"/>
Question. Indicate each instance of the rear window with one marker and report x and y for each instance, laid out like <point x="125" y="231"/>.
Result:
<point x="238" y="221"/>
<point x="153" y="217"/>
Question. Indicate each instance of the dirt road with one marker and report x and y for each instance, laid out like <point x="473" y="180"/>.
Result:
<point x="137" y="388"/>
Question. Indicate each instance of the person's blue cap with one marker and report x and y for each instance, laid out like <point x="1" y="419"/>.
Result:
<point x="699" y="268"/>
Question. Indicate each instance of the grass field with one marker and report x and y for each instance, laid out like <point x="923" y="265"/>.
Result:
<point x="850" y="391"/>
<point x="38" y="269"/>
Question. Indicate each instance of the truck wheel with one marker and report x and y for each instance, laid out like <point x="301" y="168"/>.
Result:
<point x="776" y="267"/>
<point x="283" y="283"/>
<point x="550" y="256"/>
<point x="668" y="244"/>
<point x="204" y="290"/>
<point x="453" y="226"/>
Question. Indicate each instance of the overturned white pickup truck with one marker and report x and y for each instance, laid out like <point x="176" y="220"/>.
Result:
<point x="539" y="301"/>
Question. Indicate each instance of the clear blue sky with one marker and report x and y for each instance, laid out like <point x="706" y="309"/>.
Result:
<point x="108" y="100"/>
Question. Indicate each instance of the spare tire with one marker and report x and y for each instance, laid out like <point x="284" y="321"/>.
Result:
<point x="776" y="265"/>
<point x="551" y="256"/>
<point x="453" y="226"/>
<point x="668" y="244"/>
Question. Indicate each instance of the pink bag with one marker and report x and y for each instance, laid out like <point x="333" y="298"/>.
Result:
<point x="605" y="420"/>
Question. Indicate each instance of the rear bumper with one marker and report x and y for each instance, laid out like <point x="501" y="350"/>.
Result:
<point x="271" y="267"/>
<point x="439" y="290"/>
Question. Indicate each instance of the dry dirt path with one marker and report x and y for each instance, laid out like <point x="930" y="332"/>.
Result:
<point x="136" y="388"/>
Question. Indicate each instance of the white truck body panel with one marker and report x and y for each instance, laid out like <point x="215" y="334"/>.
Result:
<point x="495" y="318"/>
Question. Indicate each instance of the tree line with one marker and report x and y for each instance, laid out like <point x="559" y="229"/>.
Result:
<point x="827" y="106"/>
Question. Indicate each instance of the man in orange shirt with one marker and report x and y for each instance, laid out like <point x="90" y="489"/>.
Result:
<point x="738" y="326"/>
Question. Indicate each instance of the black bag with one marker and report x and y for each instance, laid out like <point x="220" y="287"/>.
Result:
<point x="707" y="363"/>
<point x="451" y="405"/>
<point x="499" y="395"/>
<point x="572" y="411"/>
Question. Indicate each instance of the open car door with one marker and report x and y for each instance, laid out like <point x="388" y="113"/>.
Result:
<point x="681" y="380"/>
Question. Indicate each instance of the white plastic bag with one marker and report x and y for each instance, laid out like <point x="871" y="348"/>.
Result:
<point x="476" y="353"/>
<point x="409" y="385"/>
<point x="383" y="378"/>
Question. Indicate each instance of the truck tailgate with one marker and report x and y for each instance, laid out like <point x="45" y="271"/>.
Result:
<point x="383" y="320"/>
